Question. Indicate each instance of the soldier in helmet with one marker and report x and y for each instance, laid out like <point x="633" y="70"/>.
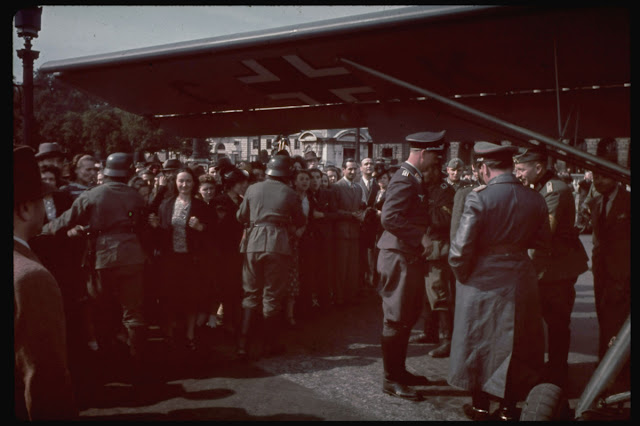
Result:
<point x="404" y="246"/>
<point x="269" y="211"/>
<point x="112" y="215"/>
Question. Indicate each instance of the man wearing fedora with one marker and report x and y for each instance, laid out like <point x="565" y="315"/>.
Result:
<point x="311" y="159"/>
<point x="42" y="383"/>
<point x="50" y="153"/>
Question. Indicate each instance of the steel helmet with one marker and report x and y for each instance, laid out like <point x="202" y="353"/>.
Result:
<point x="118" y="164"/>
<point x="279" y="166"/>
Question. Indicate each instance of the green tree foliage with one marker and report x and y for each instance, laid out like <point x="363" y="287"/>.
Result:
<point x="82" y="123"/>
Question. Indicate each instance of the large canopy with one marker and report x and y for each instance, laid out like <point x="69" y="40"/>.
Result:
<point x="560" y="72"/>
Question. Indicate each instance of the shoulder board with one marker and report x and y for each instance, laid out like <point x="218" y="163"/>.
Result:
<point x="549" y="186"/>
<point x="479" y="188"/>
<point x="405" y="173"/>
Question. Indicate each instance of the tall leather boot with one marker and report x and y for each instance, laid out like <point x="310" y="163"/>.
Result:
<point x="446" y="325"/>
<point x="430" y="327"/>
<point x="393" y="362"/>
<point x="272" y="330"/>
<point x="248" y="319"/>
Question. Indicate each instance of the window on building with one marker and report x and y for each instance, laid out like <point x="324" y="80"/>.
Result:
<point x="268" y="143"/>
<point x="349" y="153"/>
<point x="256" y="144"/>
<point x="387" y="152"/>
<point x="296" y="144"/>
<point x="236" y="142"/>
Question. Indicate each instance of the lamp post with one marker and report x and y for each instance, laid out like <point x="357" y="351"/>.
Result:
<point x="28" y="24"/>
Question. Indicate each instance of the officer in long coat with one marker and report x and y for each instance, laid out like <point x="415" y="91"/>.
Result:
<point x="403" y="249"/>
<point x="268" y="211"/>
<point x="558" y="271"/>
<point x="497" y="347"/>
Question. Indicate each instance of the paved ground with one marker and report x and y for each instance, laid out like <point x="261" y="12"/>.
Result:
<point x="331" y="371"/>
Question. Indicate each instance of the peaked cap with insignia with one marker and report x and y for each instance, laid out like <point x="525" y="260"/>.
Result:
<point x="430" y="141"/>
<point x="530" y="154"/>
<point x="487" y="151"/>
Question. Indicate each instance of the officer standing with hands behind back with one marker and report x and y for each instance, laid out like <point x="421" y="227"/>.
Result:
<point x="404" y="247"/>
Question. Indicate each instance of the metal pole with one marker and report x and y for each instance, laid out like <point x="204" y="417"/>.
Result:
<point x="358" y="145"/>
<point x="623" y="173"/>
<point x="28" y="56"/>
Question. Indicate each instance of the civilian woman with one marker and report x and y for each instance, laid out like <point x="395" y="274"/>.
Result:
<point x="181" y="221"/>
<point x="211" y="297"/>
<point x="228" y="235"/>
<point x="301" y="182"/>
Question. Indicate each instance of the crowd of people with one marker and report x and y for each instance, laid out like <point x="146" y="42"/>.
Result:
<point x="258" y="247"/>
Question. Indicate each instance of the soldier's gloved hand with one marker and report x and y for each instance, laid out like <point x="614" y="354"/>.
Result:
<point x="427" y="246"/>
<point x="194" y="222"/>
<point x="76" y="231"/>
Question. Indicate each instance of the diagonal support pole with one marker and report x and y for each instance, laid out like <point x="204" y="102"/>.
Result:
<point x="591" y="161"/>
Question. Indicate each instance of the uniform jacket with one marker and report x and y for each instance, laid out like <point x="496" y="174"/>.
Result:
<point x="405" y="216"/>
<point x="42" y="383"/>
<point x="269" y="208"/>
<point x="346" y="200"/>
<point x="612" y="242"/>
<point x="114" y="213"/>
<point x="440" y="203"/>
<point x="196" y="240"/>
<point x="497" y="302"/>
<point x="567" y="258"/>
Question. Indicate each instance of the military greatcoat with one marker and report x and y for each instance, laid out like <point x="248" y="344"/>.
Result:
<point x="498" y="329"/>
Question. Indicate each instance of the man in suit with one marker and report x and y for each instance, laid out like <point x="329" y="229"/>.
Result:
<point x="267" y="212"/>
<point x="404" y="246"/>
<point x="611" y="258"/>
<point x="368" y="227"/>
<point x="42" y="383"/>
<point x="559" y="269"/>
<point x="349" y="209"/>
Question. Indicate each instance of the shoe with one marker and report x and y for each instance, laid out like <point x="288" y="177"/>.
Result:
<point x="410" y="379"/>
<point x="476" y="414"/>
<point x="505" y="414"/>
<point x="441" y="351"/>
<point x="423" y="338"/>
<point x="399" y="390"/>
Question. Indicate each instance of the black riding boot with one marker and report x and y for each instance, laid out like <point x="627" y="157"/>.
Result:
<point x="445" y="323"/>
<point x="394" y="351"/>
<point x="272" y="328"/>
<point x="248" y="320"/>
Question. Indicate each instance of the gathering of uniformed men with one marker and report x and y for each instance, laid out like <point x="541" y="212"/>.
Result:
<point x="485" y="263"/>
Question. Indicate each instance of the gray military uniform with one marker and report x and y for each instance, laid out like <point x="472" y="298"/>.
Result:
<point x="268" y="209"/>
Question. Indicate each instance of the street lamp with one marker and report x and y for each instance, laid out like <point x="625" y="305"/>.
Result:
<point x="28" y="24"/>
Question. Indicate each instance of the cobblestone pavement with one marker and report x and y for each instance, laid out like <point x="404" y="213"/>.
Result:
<point x="331" y="370"/>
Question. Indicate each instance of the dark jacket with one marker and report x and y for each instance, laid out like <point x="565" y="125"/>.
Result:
<point x="195" y="239"/>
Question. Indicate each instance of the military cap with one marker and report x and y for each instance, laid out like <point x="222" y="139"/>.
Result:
<point x="456" y="164"/>
<point x="310" y="156"/>
<point x="530" y="154"/>
<point x="171" y="164"/>
<point x="487" y="151"/>
<point x="431" y="141"/>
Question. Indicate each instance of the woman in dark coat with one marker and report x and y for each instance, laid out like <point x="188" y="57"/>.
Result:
<point x="181" y="222"/>
<point x="228" y="237"/>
